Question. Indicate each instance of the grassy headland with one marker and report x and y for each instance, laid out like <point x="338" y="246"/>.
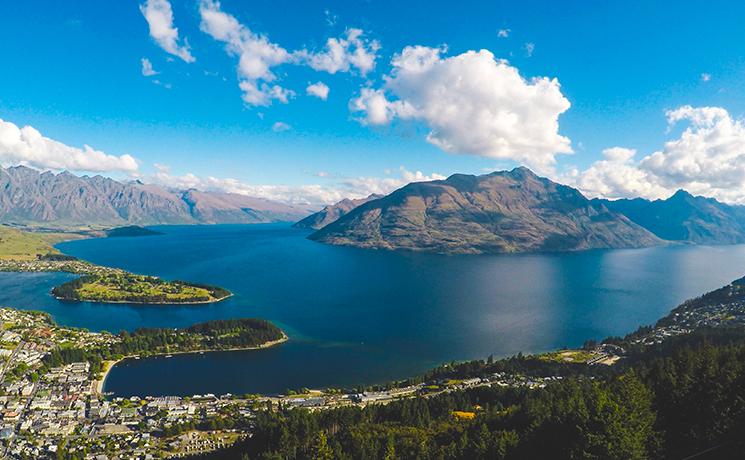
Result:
<point x="16" y="244"/>
<point x="33" y="252"/>
<point x="115" y="287"/>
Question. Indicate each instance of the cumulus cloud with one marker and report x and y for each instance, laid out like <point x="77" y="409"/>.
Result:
<point x="529" y="49"/>
<point x="707" y="158"/>
<point x="256" y="54"/>
<point x="472" y="103"/>
<point x="159" y="16"/>
<point x="319" y="90"/>
<point x="312" y="195"/>
<point x="503" y="33"/>
<point x="147" y="68"/>
<point x="616" y="176"/>
<point x="27" y="146"/>
<point x="280" y="126"/>
<point x="359" y="187"/>
<point x="351" y="51"/>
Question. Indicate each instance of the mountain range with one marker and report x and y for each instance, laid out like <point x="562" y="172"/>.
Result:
<point x="30" y="197"/>
<point x="518" y="211"/>
<point x="684" y="217"/>
<point x="506" y="211"/>
<point x="333" y="212"/>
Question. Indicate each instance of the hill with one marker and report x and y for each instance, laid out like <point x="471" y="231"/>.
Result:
<point x="19" y="245"/>
<point x="130" y="230"/>
<point x="333" y="212"/>
<point x="684" y="217"/>
<point x="30" y="197"/>
<point x="506" y="211"/>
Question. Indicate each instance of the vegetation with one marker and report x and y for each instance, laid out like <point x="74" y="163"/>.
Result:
<point x="19" y="245"/>
<point x="131" y="230"/>
<point x="118" y="286"/>
<point x="211" y="335"/>
<point x="672" y="401"/>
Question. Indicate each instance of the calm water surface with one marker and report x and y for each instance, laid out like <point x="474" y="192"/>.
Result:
<point x="356" y="316"/>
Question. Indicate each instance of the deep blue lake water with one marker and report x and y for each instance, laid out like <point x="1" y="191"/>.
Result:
<point x="358" y="316"/>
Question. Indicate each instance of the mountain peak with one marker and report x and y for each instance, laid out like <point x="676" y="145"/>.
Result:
<point x="522" y="172"/>
<point x="681" y="195"/>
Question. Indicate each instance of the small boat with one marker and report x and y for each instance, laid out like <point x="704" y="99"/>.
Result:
<point x="169" y="356"/>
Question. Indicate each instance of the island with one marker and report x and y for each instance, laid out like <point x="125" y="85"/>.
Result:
<point x="131" y="230"/>
<point x="24" y="251"/>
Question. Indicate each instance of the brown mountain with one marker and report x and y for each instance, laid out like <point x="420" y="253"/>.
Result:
<point x="333" y="212"/>
<point x="29" y="197"/>
<point x="684" y="217"/>
<point x="508" y="211"/>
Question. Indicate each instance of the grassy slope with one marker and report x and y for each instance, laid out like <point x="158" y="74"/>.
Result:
<point x="19" y="245"/>
<point x="127" y="287"/>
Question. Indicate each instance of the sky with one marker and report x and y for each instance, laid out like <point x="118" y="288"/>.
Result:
<point x="310" y="102"/>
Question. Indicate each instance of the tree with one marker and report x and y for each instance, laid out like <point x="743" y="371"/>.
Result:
<point x="321" y="450"/>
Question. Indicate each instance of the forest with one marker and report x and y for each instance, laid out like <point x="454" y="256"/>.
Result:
<point x="685" y="397"/>
<point x="211" y="335"/>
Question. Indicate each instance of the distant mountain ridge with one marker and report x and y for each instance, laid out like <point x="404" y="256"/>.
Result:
<point x="29" y="197"/>
<point x="506" y="211"/>
<point x="684" y="217"/>
<point x="333" y="212"/>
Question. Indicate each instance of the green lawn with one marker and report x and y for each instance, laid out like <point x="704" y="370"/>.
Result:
<point x="568" y="356"/>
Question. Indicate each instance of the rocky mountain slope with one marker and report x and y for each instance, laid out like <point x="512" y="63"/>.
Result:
<point x="29" y="197"/>
<point x="507" y="211"/>
<point x="333" y="212"/>
<point x="684" y="217"/>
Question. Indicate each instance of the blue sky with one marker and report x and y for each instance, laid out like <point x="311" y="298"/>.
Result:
<point x="73" y="72"/>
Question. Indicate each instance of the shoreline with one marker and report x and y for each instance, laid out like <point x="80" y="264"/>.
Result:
<point x="109" y="364"/>
<point x="200" y="302"/>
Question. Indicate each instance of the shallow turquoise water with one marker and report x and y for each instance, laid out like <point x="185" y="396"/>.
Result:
<point x="358" y="316"/>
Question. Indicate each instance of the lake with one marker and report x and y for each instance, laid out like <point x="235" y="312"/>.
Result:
<point x="364" y="316"/>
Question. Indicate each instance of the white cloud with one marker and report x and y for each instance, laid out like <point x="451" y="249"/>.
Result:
<point x="256" y="54"/>
<point x="27" y="146"/>
<point x="503" y="33"/>
<point x="529" y="49"/>
<point x="473" y="104"/>
<point x="331" y="18"/>
<point x="708" y="158"/>
<point x="351" y="51"/>
<point x="147" y="68"/>
<point x="359" y="187"/>
<point x="705" y="77"/>
<point x="159" y="16"/>
<point x="280" y="126"/>
<point x="319" y="90"/>
<point x="615" y="176"/>
<point x="312" y="194"/>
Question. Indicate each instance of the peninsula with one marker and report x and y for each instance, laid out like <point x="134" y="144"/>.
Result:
<point x="24" y="251"/>
<point x="124" y="287"/>
<point x="505" y="211"/>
